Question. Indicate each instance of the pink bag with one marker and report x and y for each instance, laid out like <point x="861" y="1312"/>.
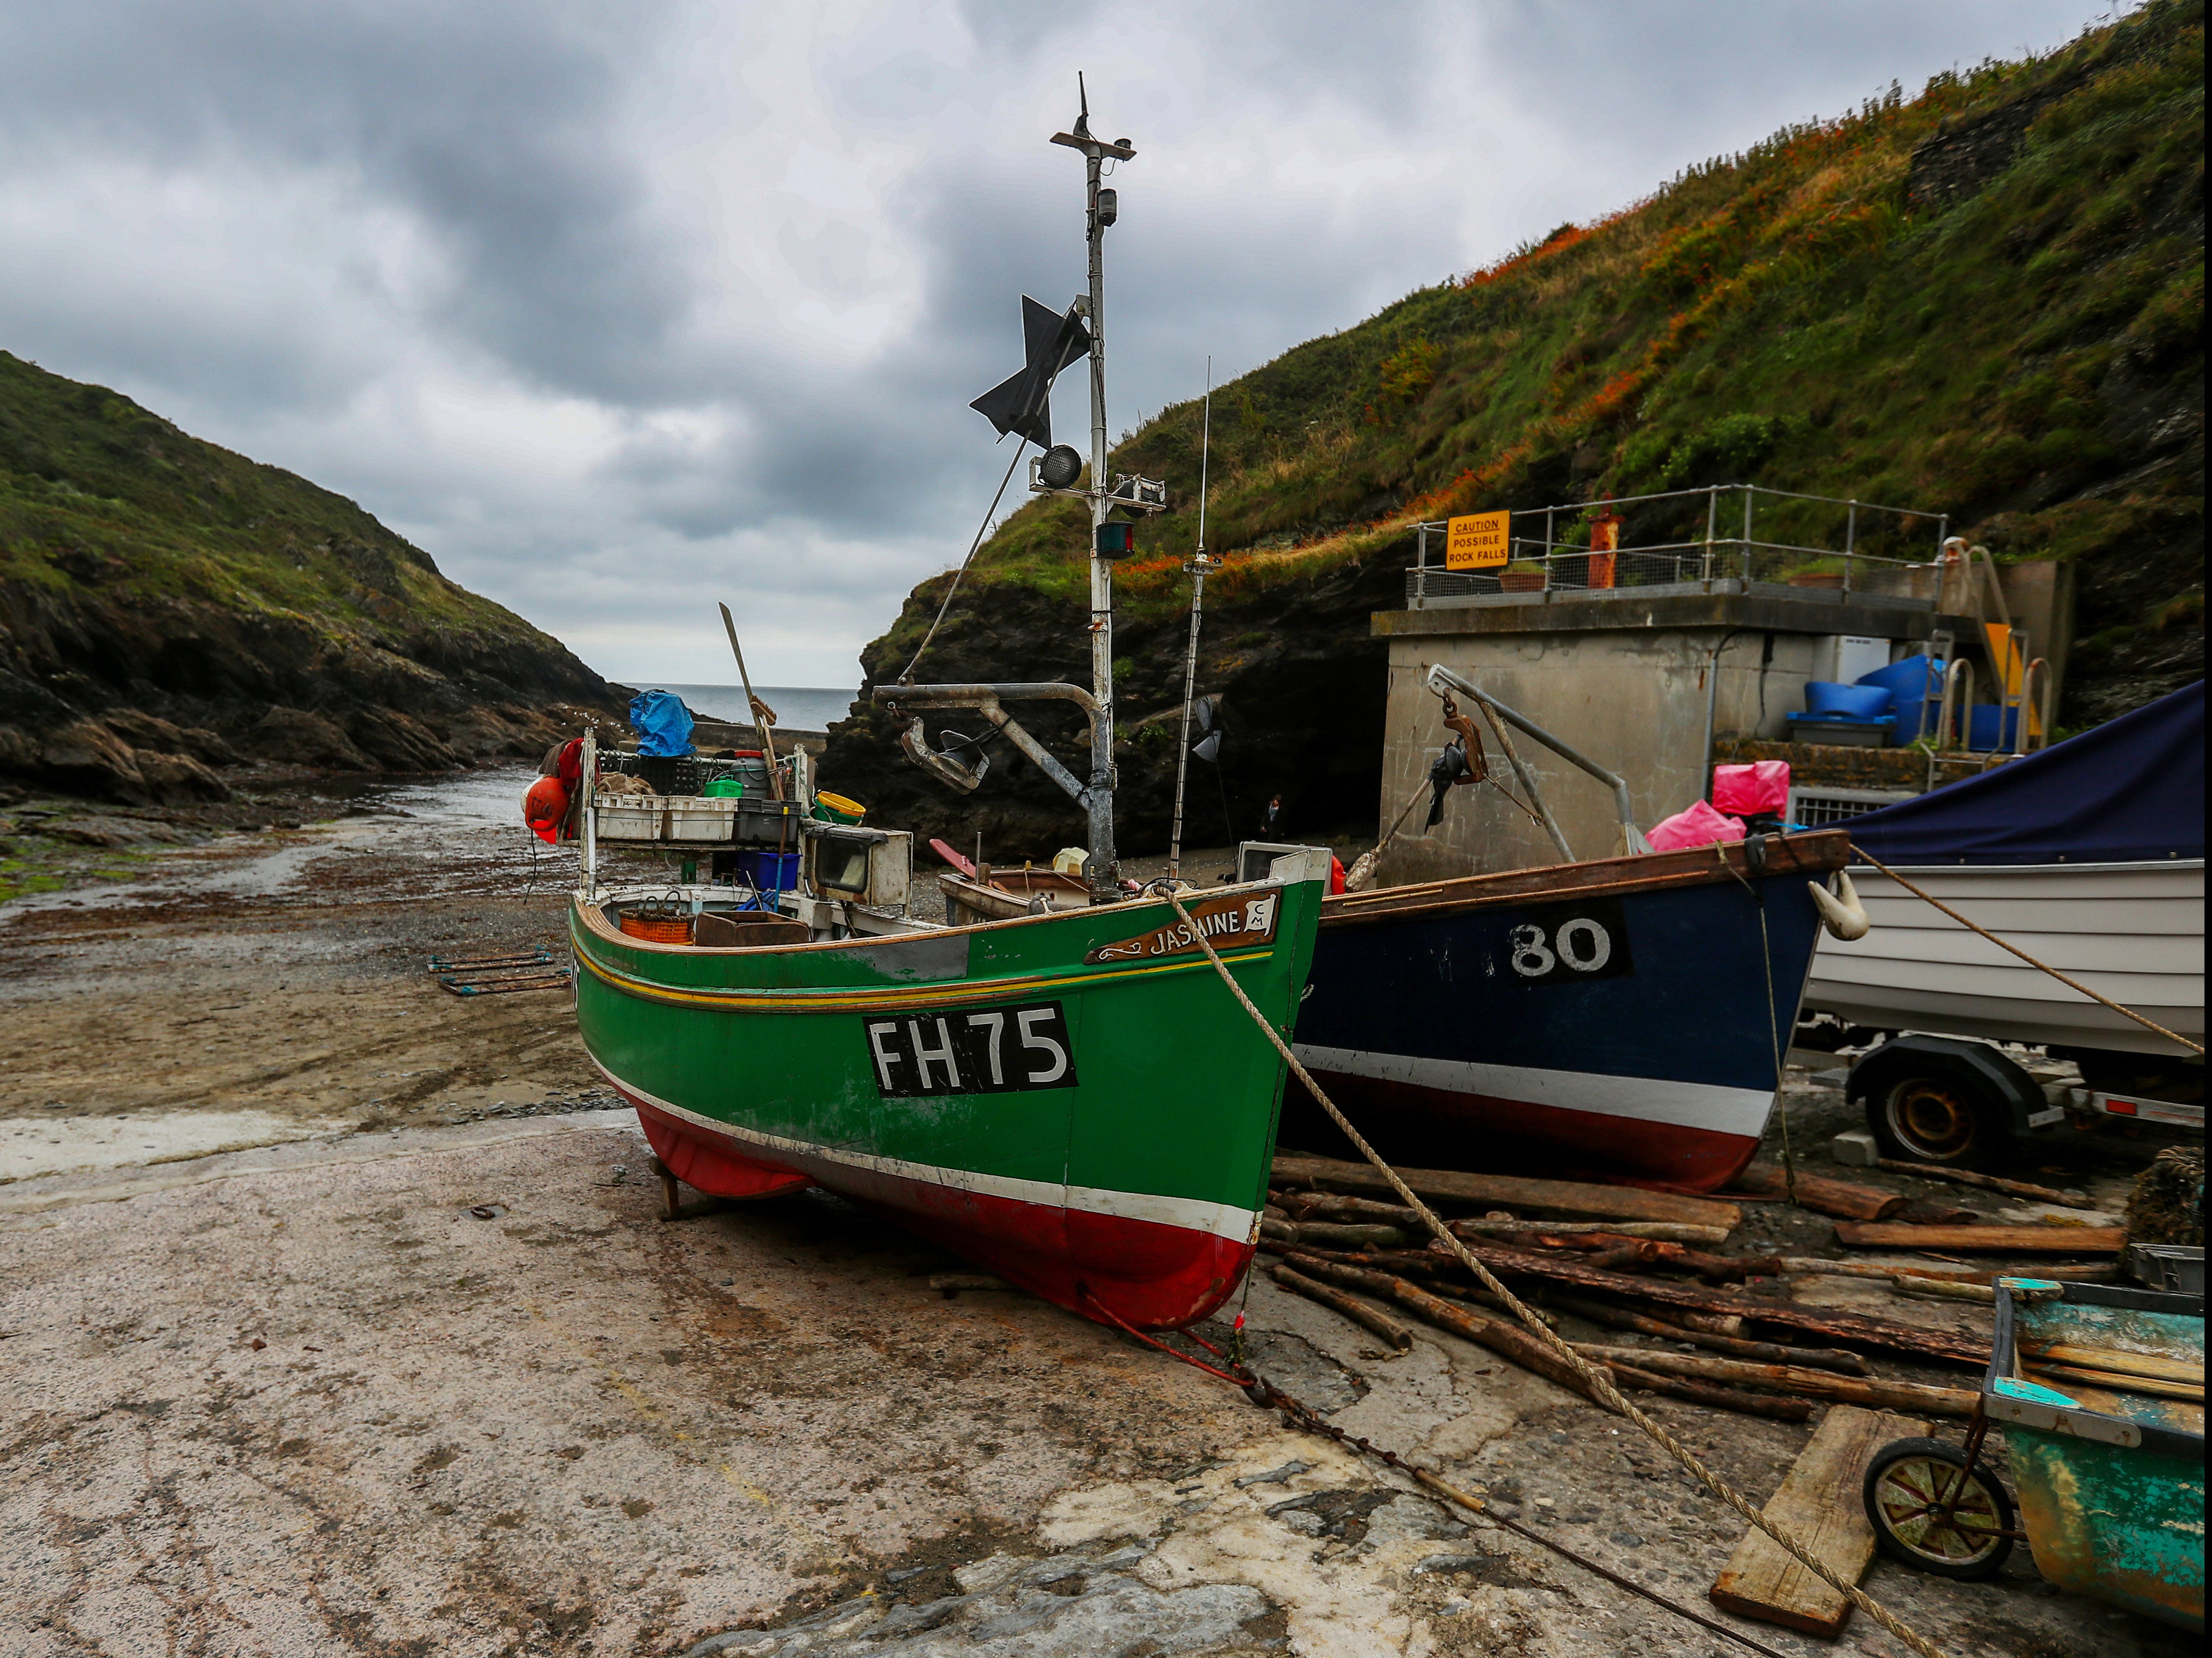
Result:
<point x="1762" y="785"/>
<point x="1700" y="826"/>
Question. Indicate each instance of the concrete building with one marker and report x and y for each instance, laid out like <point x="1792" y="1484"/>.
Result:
<point x="1630" y="674"/>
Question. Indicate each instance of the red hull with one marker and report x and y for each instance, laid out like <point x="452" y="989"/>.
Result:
<point x="1152" y="1276"/>
<point x="1435" y="1129"/>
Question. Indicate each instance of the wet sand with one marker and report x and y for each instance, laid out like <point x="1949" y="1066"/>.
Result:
<point x="269" y="985"/>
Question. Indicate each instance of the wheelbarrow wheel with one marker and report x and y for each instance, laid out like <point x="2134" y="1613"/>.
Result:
<point x="1921" y="1517"/>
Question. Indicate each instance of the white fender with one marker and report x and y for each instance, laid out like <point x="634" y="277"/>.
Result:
<point x="1841" y="912"/>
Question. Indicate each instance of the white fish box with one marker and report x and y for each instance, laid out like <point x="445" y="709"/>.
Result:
<point x="695" y="818"/>
<point x="632" y="818"/>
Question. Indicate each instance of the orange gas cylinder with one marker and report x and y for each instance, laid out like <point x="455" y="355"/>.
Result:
<point x="544" y="806"/>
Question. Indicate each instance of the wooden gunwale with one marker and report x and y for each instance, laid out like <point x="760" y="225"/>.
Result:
<point x="859" y="998"/>
<point x="1828" y="850"/>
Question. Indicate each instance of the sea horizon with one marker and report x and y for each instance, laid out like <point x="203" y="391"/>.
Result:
<point x="800" y="708"/>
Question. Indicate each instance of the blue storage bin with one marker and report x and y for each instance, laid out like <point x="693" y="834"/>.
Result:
<point x="1910" y="683"/>
<point x="1824" y="699"/>
<point x="768" y="871"/>
<point x="1991" y="726"/>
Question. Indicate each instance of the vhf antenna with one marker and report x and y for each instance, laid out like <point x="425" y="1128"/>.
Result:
<point x="1199" y="567"/>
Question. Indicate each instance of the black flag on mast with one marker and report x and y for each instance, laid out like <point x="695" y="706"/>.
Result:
<point x="1023" y="405"/>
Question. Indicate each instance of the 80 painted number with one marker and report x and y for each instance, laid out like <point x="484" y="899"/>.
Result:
<point x="1586" y="942"/>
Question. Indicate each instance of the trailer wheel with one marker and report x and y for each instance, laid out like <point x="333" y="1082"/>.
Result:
<point x="1930" y="1511"/>
<point x="1939" y="1116"/>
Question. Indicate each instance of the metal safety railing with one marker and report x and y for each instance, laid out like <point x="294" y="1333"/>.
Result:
<point x="1549" y="558"/>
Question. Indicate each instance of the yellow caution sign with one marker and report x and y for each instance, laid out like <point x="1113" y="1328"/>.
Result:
<point x="1479" y="541"/>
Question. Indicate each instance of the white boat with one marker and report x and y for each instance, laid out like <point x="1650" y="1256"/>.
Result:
<point x="2089" y="856"/>
<point x="2134" y="932"/>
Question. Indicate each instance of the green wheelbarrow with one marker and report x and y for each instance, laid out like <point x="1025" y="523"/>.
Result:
<point x="2099" y="1394"/>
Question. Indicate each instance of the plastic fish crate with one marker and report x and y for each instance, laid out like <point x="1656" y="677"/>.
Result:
<point x="769" y="822"/>
<point x="668" y="773"/>
<point x="694" y="818"/>
<point x="628" y="817"/>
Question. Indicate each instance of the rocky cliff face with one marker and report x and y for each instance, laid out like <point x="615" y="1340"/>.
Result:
<point x="169" y="609"/>
<point x="1288" y="670"/>
<point x="1986" y="302"/>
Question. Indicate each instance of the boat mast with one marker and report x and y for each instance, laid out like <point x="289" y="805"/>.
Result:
<point x="1199" y="568"/>
<point x="1101" y="869"/>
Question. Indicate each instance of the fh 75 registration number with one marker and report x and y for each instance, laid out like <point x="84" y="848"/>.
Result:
<point x="993" y="1050"/>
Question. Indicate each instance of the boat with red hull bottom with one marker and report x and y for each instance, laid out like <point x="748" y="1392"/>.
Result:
<point x="1072" y="1099"/>
<point x="1620" y="1018"/>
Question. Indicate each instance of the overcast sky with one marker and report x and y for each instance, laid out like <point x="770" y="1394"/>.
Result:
<point x="619" y="308"/>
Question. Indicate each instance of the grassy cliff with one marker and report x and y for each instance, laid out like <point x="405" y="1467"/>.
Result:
<point x="1985" y="301"/>
<point x="167" y="606"/>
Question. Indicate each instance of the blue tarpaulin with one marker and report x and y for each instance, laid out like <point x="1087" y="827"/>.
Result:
<point x="2130" y="791"/>
<point x="662" y="723"/>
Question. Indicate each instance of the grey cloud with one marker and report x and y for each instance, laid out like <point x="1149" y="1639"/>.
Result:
<point x="604" y="303"/>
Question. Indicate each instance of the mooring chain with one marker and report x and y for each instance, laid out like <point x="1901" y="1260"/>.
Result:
<point x="1599" y="1381"/>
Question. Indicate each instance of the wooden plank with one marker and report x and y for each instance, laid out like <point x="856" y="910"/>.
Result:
<point x="1499" y="1335"/>
<point x="2117" y="1360"/>
<point x="1817" y="1507"/>
<point x="2019" y="1188"/>
<point x="2188" y="1392"/>
<point x="1351" y="1307"/>
<point x="1845" y="1199"/>
<point x="1832" y="1327"/>
<point x="1510" y="1190"/>
<point x="1879" y="1391"/>
<point x="1329" y="1205"/>
<point x="2005" y="1240"/>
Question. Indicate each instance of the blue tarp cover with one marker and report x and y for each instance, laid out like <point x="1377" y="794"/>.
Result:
<point x="2128" y="790"/>
<point x="662" y="723"/>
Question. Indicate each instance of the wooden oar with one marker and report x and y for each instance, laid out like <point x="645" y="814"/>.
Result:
<point x="763" y="716"/>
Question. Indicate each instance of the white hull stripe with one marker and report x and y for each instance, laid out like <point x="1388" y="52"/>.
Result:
<point x="1642" y="1099"/>
<point x="1222" y="1220"/>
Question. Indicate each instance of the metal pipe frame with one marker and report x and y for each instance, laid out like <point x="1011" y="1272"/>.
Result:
<point x="2035" y="683"/>
<point x="588" y="780"/>
<point x="986" y="700"/>
<point x="1442" y="679"/>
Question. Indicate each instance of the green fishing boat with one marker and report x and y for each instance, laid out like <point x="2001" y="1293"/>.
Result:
<point x="1071" y="1098"/>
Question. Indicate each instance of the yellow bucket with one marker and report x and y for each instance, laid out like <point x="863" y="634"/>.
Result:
<point x="836" y="809"/>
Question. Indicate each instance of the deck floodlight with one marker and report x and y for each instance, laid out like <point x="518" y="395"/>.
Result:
<point x="1140" y="494"/>
<point x="1059" y="467"/>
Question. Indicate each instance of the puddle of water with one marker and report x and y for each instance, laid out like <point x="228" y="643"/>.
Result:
<point x="67" y="1146"/>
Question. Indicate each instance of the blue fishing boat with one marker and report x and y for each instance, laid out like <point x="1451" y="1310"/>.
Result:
<point x="1622" y="1016"/>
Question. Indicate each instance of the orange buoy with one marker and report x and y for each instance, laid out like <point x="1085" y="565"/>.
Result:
<point x="545" y="807"/>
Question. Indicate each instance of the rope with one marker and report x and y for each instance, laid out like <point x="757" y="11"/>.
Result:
<point x="1598" y="1380"/>
<point x="2045" y="967"/>
<point x="1773" y="1020"/>
<point x="907" y="678"/>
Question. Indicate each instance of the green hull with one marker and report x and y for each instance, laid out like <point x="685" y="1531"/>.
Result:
<point x="1073" y="1100"/>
